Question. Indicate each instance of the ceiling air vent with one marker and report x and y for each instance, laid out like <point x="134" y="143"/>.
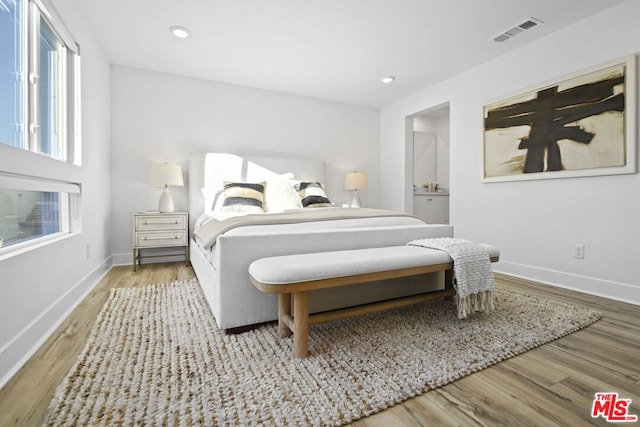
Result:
<point x="527" y="24"/>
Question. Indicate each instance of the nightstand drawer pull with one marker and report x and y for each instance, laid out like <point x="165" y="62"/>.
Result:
<point x="160" y="222"/>
<point x="160" y="237"/>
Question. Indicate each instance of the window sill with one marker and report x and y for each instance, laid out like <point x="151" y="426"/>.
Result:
<point x="25" y="247"/>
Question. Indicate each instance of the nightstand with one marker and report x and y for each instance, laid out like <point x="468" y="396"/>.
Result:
<point x="159" y="230"/>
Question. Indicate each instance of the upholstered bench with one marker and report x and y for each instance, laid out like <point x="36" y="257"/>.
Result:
<point x="296" y="275"/>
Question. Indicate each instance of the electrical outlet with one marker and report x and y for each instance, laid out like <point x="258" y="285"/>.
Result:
<point x="578" y="251"/>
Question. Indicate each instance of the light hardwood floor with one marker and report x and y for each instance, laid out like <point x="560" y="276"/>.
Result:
<point x="551" y="385"/>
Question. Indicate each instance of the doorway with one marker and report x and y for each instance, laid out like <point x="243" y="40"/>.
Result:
<point x="428" y="163"/>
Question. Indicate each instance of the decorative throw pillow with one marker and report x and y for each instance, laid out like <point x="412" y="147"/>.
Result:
<point x="245" y="197"/>
<point x="280" y="195"/>
<point x="312" y="195"/>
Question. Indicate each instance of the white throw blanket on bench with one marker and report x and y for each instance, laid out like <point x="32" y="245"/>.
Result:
<point x="473" y="277"/>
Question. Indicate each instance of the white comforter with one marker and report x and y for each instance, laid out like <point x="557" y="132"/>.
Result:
<point x="212" y="224"/>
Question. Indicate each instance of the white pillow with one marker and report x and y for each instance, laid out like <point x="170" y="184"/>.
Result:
<point x="213" y="199"/>
<point x="280" y="194"/>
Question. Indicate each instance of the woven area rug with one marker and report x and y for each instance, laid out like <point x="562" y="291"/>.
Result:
<point x="155" y="357"/>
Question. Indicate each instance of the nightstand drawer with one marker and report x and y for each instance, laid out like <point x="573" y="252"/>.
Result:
<point x="164" y="222"/>
<point x="148" y="239"/>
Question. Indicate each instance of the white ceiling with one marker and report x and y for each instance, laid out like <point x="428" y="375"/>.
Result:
<point x="329" y="49"/>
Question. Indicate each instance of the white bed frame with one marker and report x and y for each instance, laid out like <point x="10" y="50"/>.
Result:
<point x="234" y="301"/>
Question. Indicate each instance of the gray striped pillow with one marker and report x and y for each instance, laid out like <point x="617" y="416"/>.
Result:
<point x="244" y="197"/>
<point x="312" y="195"/>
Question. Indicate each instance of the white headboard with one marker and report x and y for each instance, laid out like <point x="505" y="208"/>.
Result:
<point x="209" y="170"/>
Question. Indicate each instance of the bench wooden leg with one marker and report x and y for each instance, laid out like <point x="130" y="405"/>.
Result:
<point x="284" y="310"/>
<point x="300" y="324"/>
<point x="448" y="282"/>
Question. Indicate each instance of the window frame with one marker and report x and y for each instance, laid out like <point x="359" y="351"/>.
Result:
<point x="36" y="12"/>
<point x="69" y="200"/>
<point x="25" y="167"/>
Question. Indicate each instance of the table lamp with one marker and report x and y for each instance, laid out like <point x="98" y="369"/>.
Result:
<point x="165" y="175"/>
<point x="355" y="181"/>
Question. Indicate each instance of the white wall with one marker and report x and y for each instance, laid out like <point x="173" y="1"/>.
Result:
<point x="160" y="117"/>
<point x="535" y="223"/>
<point x="39" y="287"/>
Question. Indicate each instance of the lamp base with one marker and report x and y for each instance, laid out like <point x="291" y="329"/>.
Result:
<point x="355" y="200"/>
<point x="166" y="202"/>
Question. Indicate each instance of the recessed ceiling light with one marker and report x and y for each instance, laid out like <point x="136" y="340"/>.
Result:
<point x="388" y="79"/>
<point x="180" y="32"/>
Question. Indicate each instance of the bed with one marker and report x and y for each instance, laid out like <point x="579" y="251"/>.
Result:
<point x="223" y="244"/>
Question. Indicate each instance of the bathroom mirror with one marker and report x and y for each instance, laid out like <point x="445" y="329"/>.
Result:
<point x="425" y="155"/>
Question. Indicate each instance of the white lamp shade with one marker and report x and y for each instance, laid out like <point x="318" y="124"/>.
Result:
<point x="355" y="181"/>
<point x="166" y="174"/>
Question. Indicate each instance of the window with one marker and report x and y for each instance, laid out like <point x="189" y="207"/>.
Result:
<point x="33" y="208"/>
<point x="26" y="215"/>
<point x="39" y="114"/>
<point x="11" y="73"/>
<point x="42" y="80"/>
<point x="50" y="102"/>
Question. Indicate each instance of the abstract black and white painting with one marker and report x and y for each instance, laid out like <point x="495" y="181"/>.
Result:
<point x="578" y="126"/>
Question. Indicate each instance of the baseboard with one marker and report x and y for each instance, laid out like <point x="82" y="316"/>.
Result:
<point x="589" y="285"/>
<point x="23" y="346"/>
